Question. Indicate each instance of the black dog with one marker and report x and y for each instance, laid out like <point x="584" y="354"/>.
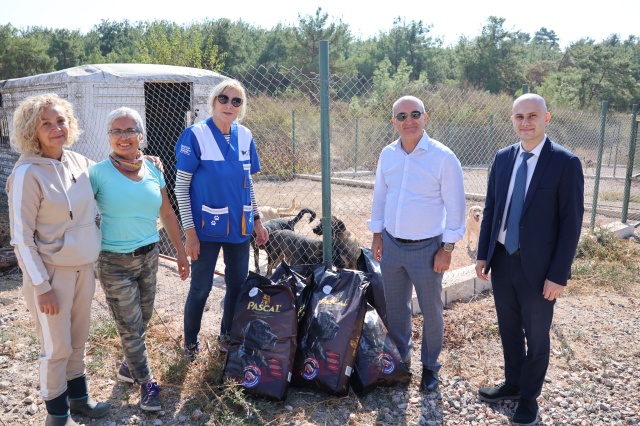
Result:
<point x="256" y="337"/>
<point x="322" y="329"/>
<point x="275" y="225"/>
<point x="298" y="249"/>
<point x="344" y="243"/>
<point x="337" y="227"/>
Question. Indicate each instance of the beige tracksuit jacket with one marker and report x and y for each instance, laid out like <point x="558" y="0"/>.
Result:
<point x="56" y="240"/>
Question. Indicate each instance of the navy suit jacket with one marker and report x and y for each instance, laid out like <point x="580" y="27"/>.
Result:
<point x="552" y="214"/>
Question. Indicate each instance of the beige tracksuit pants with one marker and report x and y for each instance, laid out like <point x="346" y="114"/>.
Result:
<point x="62" y="336"/>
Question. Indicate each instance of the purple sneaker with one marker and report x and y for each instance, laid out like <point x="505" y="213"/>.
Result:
<point x="149" y="399"/>
<point x="124" y="375"/>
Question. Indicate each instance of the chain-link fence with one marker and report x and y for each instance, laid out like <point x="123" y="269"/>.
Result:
<point x="284" y="117"/>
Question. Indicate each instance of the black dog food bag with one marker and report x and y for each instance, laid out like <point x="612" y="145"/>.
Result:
<point x="328" y="337"/>
<point x="301" y="279"/>
<point x="263" y="338"/>
<point x="375" y="294"/>
<point x="378" y="362"/>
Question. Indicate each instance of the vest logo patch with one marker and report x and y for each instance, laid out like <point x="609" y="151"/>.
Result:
<point x="184" y="149"/>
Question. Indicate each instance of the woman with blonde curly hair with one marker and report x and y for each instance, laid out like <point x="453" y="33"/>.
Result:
<point x="56" y="239"/>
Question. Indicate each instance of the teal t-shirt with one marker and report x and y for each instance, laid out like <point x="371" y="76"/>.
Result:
<point x="129" y="209"/>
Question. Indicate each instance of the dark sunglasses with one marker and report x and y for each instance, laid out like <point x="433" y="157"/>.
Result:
<point x="403" y="115"/>
<point x="223" y="99"/>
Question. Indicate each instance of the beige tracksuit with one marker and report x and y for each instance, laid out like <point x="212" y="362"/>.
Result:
<point x="56" y="240"/>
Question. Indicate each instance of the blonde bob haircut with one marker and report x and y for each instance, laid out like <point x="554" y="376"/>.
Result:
<point x="26" y="120"/>
<point x="221" y="88"/>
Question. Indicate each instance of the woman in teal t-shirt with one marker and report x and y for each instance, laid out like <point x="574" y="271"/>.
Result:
<point x="131" y="194"/>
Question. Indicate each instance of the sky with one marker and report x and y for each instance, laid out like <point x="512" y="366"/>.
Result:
<point x="571" y="20"/>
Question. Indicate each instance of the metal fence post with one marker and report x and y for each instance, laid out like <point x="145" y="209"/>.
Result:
<point x="525" y="89"/>
<point x="325" y="151"/>
<point x="355" y="154"/>
<point x="293" y="140"/>
<point x="603" y="124"/>
<point x="630" y="161"/>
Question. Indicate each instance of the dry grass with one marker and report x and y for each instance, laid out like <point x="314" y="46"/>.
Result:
<point x="605" y="262"/>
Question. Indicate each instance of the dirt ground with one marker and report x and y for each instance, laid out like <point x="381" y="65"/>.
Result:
<point x="592" y="379"/>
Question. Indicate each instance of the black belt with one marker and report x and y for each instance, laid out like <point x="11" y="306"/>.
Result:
<point x="143" y="250"/>
<point x="405" y="241"/>
<point x="504" y="249"/>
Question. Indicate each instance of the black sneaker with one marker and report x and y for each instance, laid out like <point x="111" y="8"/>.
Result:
<point x="149" y="400"/>
<point x="499" y="392"/>
<point x="124" y="375"/>
<point x="527" y="413"/>
<point x="191" y="351"/>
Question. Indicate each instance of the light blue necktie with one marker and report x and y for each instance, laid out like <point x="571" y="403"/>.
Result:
<point x="512" y="238"/>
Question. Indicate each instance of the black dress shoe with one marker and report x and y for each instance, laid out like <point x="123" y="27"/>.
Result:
<point x="499" y="392"/>
<point x="527" y="413"/>
<point x="429" y="381"/>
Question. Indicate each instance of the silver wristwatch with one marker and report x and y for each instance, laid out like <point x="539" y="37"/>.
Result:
<point x="448" y="247"/>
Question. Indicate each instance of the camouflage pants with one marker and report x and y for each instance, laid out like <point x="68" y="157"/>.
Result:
<point x="129" y="285"/>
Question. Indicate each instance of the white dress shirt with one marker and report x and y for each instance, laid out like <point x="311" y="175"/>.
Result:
<point x="531" y="166"/>
<point x="419" y="195"/>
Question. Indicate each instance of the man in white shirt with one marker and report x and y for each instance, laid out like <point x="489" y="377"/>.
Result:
<point x="418" y="214"/>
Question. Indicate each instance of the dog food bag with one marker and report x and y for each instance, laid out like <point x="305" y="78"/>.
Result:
<point x="378" y="362"/>
<point x="328" y="337"/>
<point x="301" y="279"/>
<point x="375" y="295"/>
<point x="263" y="338"/>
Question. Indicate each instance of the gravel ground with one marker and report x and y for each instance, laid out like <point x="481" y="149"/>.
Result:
<point x="593" y="378"/>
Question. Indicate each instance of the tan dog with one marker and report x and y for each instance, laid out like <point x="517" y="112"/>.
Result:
<point x="268" y="213"/>
<point x="474" y="217"/>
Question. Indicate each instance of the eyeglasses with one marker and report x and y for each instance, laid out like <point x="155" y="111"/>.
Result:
<point x="403" y="115"/>
<point x="223" y="99"/>
<point x="117" y="133"/>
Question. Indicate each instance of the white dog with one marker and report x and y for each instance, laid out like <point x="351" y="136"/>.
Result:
<point x="474" y="216"/>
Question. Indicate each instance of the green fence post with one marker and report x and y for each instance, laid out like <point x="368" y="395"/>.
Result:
<point x="355" y="154"/>
<point x="293" y="140"/>
<point x="603" y="124"/>
<point x="325" y="151"/>
<point x="525" y="89"/>
<point x="490" y="148"/>
<point x="630" y="161"/>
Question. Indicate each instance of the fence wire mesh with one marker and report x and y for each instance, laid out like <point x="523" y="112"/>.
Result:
<point x="284" y="117"/>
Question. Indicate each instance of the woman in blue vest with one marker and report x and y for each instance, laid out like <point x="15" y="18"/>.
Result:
<point x="215" y="159"/>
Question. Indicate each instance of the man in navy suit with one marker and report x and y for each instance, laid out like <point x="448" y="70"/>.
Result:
<point x="528" y="239"/>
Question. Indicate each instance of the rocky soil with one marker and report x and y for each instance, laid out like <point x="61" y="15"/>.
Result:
<point x="593" y="379"/>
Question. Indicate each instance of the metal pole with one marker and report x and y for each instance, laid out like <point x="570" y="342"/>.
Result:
<point x="525" y="89"/>
<point x="630" y="161"/>
<point x="355" y="154"/>
<point x="490" y="150"/>
<point x="293" y="140"/>
<point x="603" y="124"/>
<point x="325" y="148"/>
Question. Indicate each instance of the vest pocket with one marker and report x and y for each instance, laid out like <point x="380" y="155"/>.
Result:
<point x="215" y="222"/>
<point x="247" y="175"/>
<point x="247" y="220"/>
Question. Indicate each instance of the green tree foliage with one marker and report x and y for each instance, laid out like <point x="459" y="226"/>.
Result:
<point x="590" y="73"/>
<point x="23" y="55"/>
<point x="167" y="43"/>
<point x="491" y="61"/>
<point x="498" y="60"/>
<point x="410" y="43"/>
<point x="304" y="47"/>
<point x="67" y="47"/>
